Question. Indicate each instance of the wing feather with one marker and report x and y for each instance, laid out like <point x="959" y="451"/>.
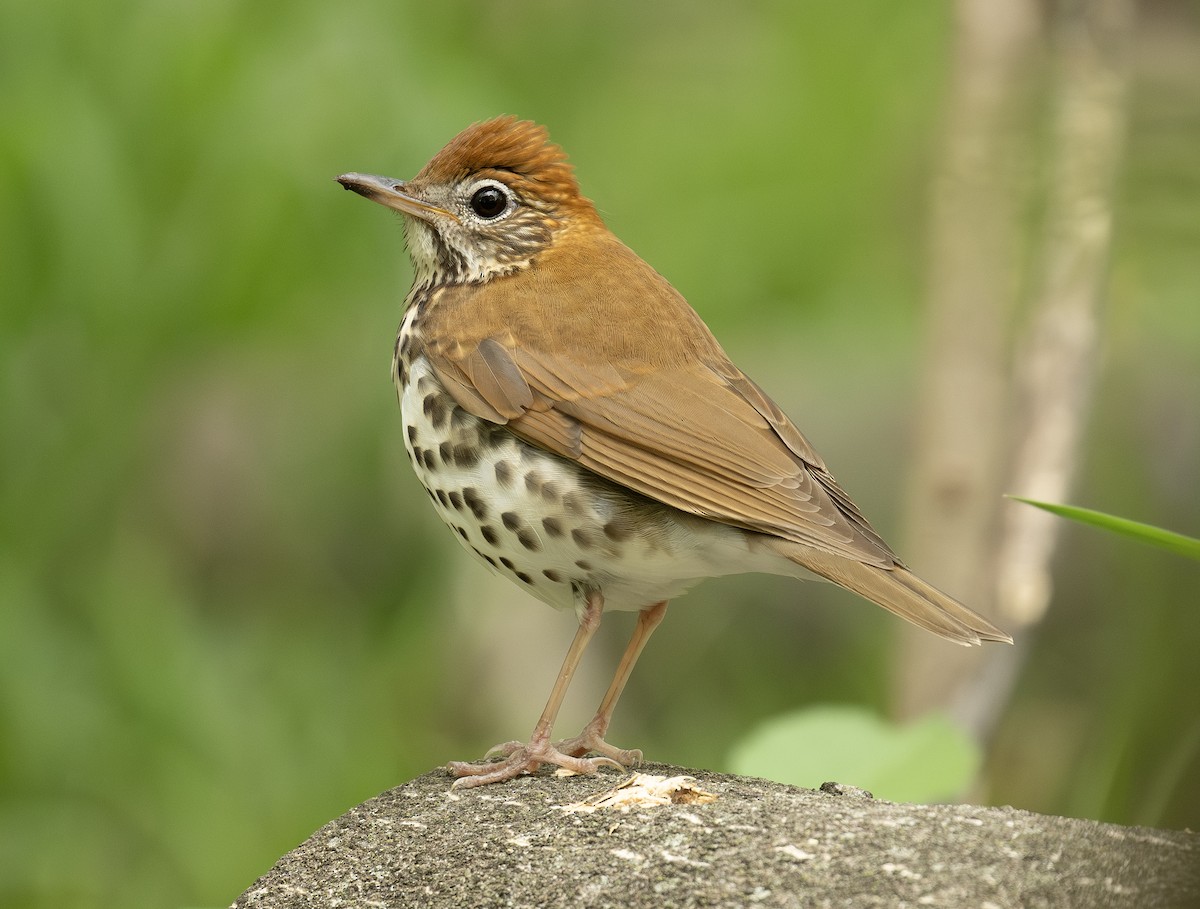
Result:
<point x="686" y="436"/>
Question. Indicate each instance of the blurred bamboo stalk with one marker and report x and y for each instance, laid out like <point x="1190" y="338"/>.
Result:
<point x="997" y="417"/>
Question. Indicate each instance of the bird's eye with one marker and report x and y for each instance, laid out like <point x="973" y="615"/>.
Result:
<point x="489" y="202"/>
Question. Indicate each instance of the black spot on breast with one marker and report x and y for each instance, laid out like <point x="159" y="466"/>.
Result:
<point x="510" y="520"/>
<point x="412" y="435"/>
<point x="618" y="530"/>
<point x="582" y="538"/>
<point x="583" y="565"/>
<point x="552" y="575"/>
<point x="430" y="460"/>
<point x="434" y="406"/>
<point x="475" y="502"/>
<point x="461" y="531"/>
<point x="442" y="497"/>
<point x="489" y="534"/>
<point x="553" y="526"/>
<point x="466" y="456"/>
<point x="533" y="481"/>
<point x="550" y="491"/>
<point x="504" y="473"/>
<point x="523" y="577"/>
<point x="456" y="500"/>
<point x="445" y="452"/>
<point x="528" y="539"/>
<point x="507" y="563"/>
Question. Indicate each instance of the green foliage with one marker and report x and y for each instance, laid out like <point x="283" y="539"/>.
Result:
<point x="930" y="760"/>
<point x="1145" y="533"/>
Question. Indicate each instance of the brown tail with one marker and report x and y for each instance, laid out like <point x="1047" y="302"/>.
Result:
<point x="900" y="591"/>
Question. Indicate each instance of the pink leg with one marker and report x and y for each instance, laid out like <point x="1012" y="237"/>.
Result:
<point x="525" y="758"/>
<point x="592" y="737"/>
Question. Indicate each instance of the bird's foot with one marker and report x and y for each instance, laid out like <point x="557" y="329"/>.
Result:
<point x="591" y="741"/>
<point x="519" y="758"/>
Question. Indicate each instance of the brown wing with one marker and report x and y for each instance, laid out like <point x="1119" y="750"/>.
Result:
<point x="707" y="441"/>
<point x="656" y="406"/>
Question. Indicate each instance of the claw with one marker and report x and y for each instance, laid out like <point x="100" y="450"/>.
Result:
<point x="523" y="759"/>
<point x="582" y="744"/>
<point x="591" y="740"/>
<point x="504" y="749"/>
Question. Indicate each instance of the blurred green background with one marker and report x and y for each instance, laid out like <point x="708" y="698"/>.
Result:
<point x="227" y="613"/>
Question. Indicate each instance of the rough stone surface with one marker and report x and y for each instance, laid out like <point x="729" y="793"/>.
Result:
<point x="758" y="844"/>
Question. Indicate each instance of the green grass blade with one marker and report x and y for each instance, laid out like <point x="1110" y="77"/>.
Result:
<point x="1146" y="533"/>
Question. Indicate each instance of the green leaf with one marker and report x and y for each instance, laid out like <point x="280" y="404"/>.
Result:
<point x="929" y="760"/>
<point x="1146" y="533"/>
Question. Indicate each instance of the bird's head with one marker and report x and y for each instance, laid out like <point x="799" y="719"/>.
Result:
<point x="486" y="204"/>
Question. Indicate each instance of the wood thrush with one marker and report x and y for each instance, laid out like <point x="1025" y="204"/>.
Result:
<point x="582" y="432"/>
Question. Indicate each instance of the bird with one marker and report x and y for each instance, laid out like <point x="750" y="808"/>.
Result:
<point x="582" y="432"/>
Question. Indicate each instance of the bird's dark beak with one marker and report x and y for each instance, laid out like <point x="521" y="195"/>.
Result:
<point x="391" y="193"/>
